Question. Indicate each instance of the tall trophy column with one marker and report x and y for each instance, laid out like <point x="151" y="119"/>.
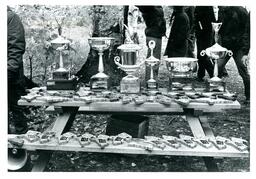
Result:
<point x="99" y="81"/>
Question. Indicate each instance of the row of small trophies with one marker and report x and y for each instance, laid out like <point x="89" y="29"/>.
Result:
<point x="148" y="143"/>
<point x="180" y="67"/>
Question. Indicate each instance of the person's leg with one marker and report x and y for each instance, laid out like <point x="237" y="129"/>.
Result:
<point x="204" y="63"/>
<point x="221" y="66"/>
<point x="17" y="123"/>
<point x="201" y="69"/>
<point x="243" y="71"/>
<point x="156" y="54"/>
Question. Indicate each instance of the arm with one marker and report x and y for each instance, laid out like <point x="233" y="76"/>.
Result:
<point x="246" y="36"/>
<point x="16" y="43"/>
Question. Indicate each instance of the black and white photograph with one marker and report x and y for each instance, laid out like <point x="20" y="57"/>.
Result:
<point x="131" y="87"/>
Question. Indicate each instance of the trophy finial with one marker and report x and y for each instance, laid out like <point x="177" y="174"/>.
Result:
<point x="151" y="45"/>
<point x="216" y="27"/>
<point x="216" y="12"/>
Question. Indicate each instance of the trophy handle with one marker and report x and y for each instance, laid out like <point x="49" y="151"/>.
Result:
<point x="151" y="45"/>
<point x="230" y="53"/>
<point x="202" y="53"/>
<point x="117" y="61"/>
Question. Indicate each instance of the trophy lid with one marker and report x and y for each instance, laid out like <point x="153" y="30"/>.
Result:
<point x="129" y="47"/>
<point x="60" y="40"/>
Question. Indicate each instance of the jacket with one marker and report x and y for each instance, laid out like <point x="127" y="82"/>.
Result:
<point x="235" y="30"/>
<point x="154" y="20"/>
<point x="16" y="47"/>
<point x="177" y="45"/>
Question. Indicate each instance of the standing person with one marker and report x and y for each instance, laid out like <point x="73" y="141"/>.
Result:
<point x="190" y="11"/>
<point x="155" y="30"/>
<point x="177" y="45"/>
<point x="235" y="36"/>
<point x="204" y="16"/>
<point x="16" y="47"/>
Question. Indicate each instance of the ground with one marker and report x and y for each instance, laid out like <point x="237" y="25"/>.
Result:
<point x="229" y="123"/>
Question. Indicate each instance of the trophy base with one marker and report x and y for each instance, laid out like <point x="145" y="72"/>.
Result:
<point x="61" y="84"/>
<point x="60" y="75"/>
<point x="99" y="82"/>
<point x="181" y="84"/>
<point x="152" y="85"/>
<point x="215" y="86"/>
<point x="130" y="85"/>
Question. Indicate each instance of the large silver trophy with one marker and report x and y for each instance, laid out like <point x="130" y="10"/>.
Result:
<point x="215" y="53"/>
<point x="61" y="77"/>
<point x="181" y="71"/>
<point x="99" y="81"/>
<point x="129" y="63"/>
<point x="151" y="61"/>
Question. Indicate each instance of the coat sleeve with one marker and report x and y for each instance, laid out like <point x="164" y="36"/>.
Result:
<point x="16" y="42"/>
<point x="246" y="36"/>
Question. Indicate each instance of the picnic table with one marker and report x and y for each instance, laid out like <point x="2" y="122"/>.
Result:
<point x="195" y="112"/>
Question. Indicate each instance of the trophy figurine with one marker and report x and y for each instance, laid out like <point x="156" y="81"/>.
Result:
<point x="99" y="81"/>
<point x="152" y="62"/>
<point x="60" y="78"/>
<point x="215" y="53"/>
<point x="129" y="54"/>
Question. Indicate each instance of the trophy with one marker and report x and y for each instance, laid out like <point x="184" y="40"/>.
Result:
<point x="181" y="71"/>
<point x="99" y="81"/>
<point x="215" y="53"/>
<point x="129" y="55"/>
<point x="60" y="78"/>
<point x="152" y="62"/>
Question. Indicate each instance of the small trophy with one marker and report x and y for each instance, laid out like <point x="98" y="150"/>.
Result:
<point x="60" y="78"/>
<point x="129" y="55"/>
<point x="152" y="85"/>
<point x="99" y="81"/>
<point x="216" y="52"/>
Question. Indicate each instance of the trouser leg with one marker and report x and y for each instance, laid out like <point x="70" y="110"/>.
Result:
<point x="204" y="62"/>
<point x="243" y="71"/>
<point x="16" y="119"/>
<point x="221" y="66"/>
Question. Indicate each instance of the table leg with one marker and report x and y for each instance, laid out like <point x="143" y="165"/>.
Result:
<point x="197" y="129"/>
<point x="62" y="124"/>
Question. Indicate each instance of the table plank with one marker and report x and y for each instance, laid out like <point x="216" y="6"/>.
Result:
<point x="73" y="145"/>
<point x="198" y="131"/>
<point x="148" y="107"/>
<point x="206" y="126"/>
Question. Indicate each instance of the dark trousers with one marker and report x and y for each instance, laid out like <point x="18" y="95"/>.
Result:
<point x="204" y="62"/>
<point x="241" y="67"/>
<point x="16" y="120"/>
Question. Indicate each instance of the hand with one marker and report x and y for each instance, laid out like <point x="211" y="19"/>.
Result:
<point x="245" y="60"/>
